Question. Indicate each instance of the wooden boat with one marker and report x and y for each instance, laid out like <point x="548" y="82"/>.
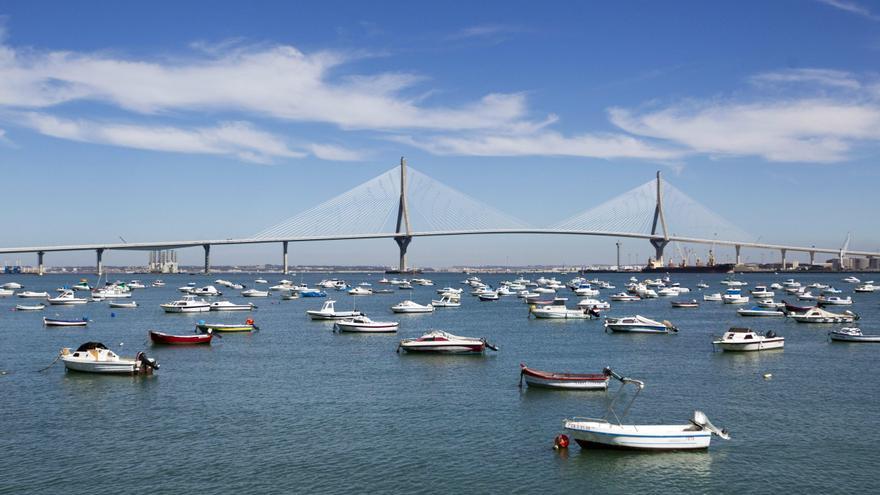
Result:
<point x="566" y="381"/>
<point x="29" y="307"/>
<point x="95" y="357"/>
<point x="248" y="326"/>
<point x="589" y="432"/>
<point x="363" y="324"/>
<point x="169" y="339"/>
<point x="685" y="304"/>
<point x="745" y="339"/>
<point x="123" y="305"/>
<point x="850" y="334"/>
<point x="438" y="341"/>
<point x="58" y="322"/>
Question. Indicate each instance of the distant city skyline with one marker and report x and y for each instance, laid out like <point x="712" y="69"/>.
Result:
<point x="228" y="123"/>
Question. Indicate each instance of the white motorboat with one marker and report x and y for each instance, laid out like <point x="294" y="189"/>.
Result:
<point x="30" y="307"/>
<point x="488" y="296"/>
<point x="807" y="296"/>
<point x="412" y="307"/>
<point x="647" y="293"/>
<point x="67" y="297"/>
<point x="82" y="285"/>
<point x="761" y="292"/>
<point x="450" y="290"/>
<point x="834" y="301"/>
<point x="206" y="291"/>
<point x="12" y="285"/>
<point x="360" y="291"/>
<point x="137" y="284"/>
<point x="851" y="334"/>
<point x="94" y="357"/>
<point x="188" y="304"/>
<point x="123" y="305"/>
<point x="363" y="324"/>
<point x="716" y="297"/>
<point x="557" y="310"/>
<point x="261" y="281"/>
<point x="112" y="291"/>
<point x="29" y="294"/>
<point x="638" y="324"/>
<point x="290" y="296"/>
<point x="423" y="282"/>
<point x="624" y="297"/>
<point x="6" y="292"/>
<point x="231" y="306"/>
<point x="158" y="283"/>
<point x="446" y="301"/>
<point x="769" y="304"/>
<point x="667" y="292"/>
<point x="594" y="304"/>
<point x="702" y="285"/>
<point x="776" y="286"/>
<point x="746" y="339"/>
<point x="254" y="293"/>
<point x="758" y="311"/>
<point x="819" y="315"/>
<point x="328" y="312"/>
<point x="438" y="341"/>
<point x="734" y="296"/>
<point x="852" y="280"/>
<point x="281" y="286"/>
<point x="791" y="283"/>
<point x="589" y="432"/>
<point x="866" y="287"/>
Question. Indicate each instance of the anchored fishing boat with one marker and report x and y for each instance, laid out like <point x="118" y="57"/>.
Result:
<point x="565" y="381"/>
<point x="851" y="334"/>
<point x="638" y="324"/>
<point x="745" y="339"/>
<point x="58" y="322"/>
<point x="589" y="432"/>
<point x="438" y="341"/>
<point x="192" y="339"/>
<point x="95" y="357"/>
<point x="363" y="324"/>
<point x="328" y="312"/>
<point x="248" y="326"/>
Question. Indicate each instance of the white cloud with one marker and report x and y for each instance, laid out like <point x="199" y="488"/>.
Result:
<point x="545" y="143"/>
<point x="336" y="153"/>
<point x="801" y="130"/>
<point x="238" y="139"/>
<point x="851" y="7"/>
<point x="823" y="77"/>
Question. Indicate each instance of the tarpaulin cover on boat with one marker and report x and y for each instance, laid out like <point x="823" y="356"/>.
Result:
<point x="91" y="345"/>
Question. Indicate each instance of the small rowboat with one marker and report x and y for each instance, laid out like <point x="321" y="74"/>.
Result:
<point x="363" y="324"/>
<point x="57" y="322"/>
<point x="29" y="307"/>
<point x="168" y="339"/>
<point x="567" y="381"/>
<point x="248" y="326"/>
<point x="849" y="334"/>
<point x="686" y="304"/>
<point x="123" y="305"/>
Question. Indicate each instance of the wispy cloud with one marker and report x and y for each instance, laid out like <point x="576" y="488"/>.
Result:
<point x="851" y="7"/>
<point x="492" y="32"/>
<point x="336" y="153"/>
<point x="824" y="77"/>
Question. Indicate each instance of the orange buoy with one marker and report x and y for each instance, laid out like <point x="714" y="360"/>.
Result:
<point x="560" y="442"/>
<point x="249" y="321"/>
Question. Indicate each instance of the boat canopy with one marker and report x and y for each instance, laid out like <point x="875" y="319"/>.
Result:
<point x="90" y="345"/>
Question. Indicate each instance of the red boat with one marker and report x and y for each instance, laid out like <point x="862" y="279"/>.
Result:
<point x="569" y="381"/>
<point x="165" y="338"/>
<point x="791" y="308"/>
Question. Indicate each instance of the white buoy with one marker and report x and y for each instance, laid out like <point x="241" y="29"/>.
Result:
<point x="768" y="376"/>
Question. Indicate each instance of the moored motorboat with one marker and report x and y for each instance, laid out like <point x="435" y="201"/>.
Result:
<point x="188" y="304"/>
<point x="447" y="301"/>
<point x="866" y="287"/>
<point x="363" y="324"/>
<point x="67" y="297"/>
<point x="759" y="311"/>
<point x="716" y="297"/>
<point x="30" y="307"/>
<point x="254" y="293"/>
<point x="95" y="357"/>
<point x="206" y="291"/>
<point x="734" y="296"/>
<point x="29" y="294"/>
<point x="60" y="322"/>
<point x="557" y="310"/>
<point x="834" y="301"/>
<point x="328" y="312"/>
<point x="412" y="307"/>
<point x="438" y="341"/>
<point x="247" y="326"/>
<point x="565" y="381"/>
<point x="746" y="339"/>
<point x="685" y="304"/>
<point x="624" y="297"/>
<point x="312" y="293"/>
<point x="589" y="432"/>
<point x="190" y="339"/>
<point x="638" y="324"/>
<point x="231" y="306"/>
<point x="851" y="334"/>
<point x="819" y="315"/>
<point x="123" y="305"/>
<point x="360" y="291"/>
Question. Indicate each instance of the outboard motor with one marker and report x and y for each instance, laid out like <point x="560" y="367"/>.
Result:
<point x="703" y="422"/>
<point x="770" y="334"/>
<point x="147" y="364"/>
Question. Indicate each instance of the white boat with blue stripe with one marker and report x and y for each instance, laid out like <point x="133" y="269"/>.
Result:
<point x="588" y="432"/>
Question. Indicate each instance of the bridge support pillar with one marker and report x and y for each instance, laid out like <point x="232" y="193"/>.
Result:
<point x="403" y="244"/>
<point x="659" y="245"/>
<point x="100" y="265"/>
<point x="738" y="254"/>
<point x="207" y="257"/>
<point x="40" y="255"/>
<point x="783" y="252"/>
<point x="812" y="257"/>
<point x="284" y="256"/>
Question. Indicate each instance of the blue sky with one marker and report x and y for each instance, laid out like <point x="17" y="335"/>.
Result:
<point x="171" y="120"/>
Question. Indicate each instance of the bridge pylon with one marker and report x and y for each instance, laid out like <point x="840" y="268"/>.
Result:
<point x="659" y="243"/>
<point x="403" y="227"/>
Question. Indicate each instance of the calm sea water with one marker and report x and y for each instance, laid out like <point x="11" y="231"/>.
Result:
<point x="298" y="408"/>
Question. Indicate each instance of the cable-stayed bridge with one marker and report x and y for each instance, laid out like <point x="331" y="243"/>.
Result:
<point x="403" y="204"/>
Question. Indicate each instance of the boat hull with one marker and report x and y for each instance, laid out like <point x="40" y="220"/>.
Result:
<point x="636" y="329"/>
<point x="564" y="381"/>
<point x="64" y="323"/>
<point x="226" y="328"/>
<point x="854" y="338"/>
<point x="366" y="328"/>
<point x="445" y="348"/>
<point x="183" y="309"/>
<point x="605" y="435"/>
<point x="168" y="339"/>
<point x="764" y="345"/>
<point x="126" y="367"/>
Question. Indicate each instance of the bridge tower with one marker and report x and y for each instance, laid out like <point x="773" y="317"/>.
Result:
<point x="659" y="243"/>
<point x="403" y="228"/>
